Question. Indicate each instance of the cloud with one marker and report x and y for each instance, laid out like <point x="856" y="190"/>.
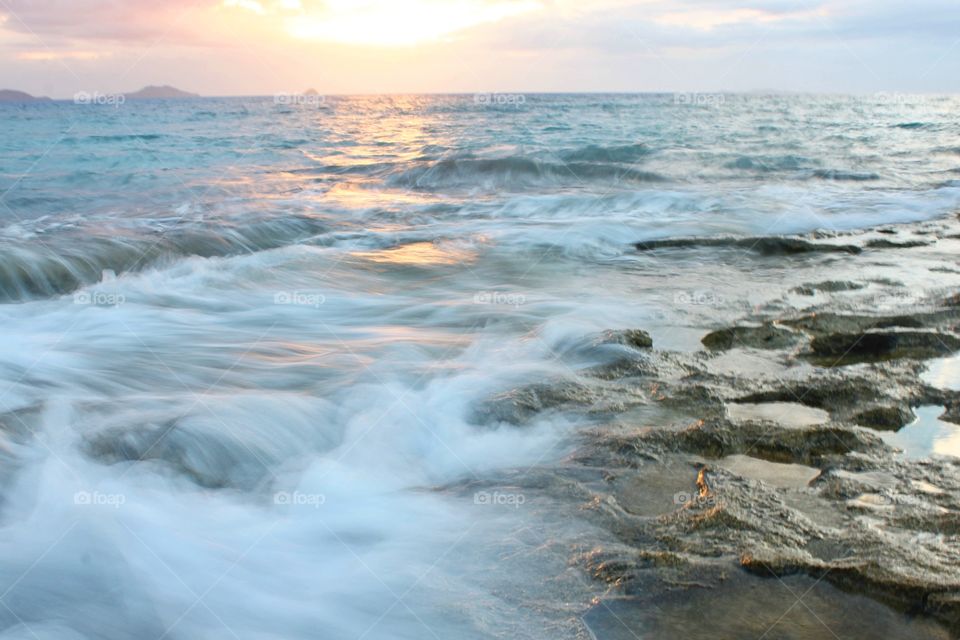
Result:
<point x="401" y="22"/>
<point x="46" y="56"/>
<point x="53" y="20"/>
<point x="656" y="27"/>
<point x="599" y="23"/>
<point x="250" y="46"/>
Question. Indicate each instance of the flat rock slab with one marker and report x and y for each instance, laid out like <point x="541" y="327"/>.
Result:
<point x="657" y="489"/>
<point x="783" y="476"/>
<point x="787" y="414"/>
<point x="840" y="349"/>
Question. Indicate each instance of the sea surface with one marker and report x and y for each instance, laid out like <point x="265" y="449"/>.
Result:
<point x="247" y="343"/>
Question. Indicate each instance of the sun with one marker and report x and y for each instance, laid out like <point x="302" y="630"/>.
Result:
<point x="400" y="22"/>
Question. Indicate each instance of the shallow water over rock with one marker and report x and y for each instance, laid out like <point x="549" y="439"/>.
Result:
<point x="790" y="608"/>
<point x="944" y="373"/>
<point x="927" y="435"/>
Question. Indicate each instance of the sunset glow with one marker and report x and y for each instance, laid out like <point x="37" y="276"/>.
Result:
<point x="257" y="47"/>
<point x="400" y="22"/>
<point x="411" y="319"/>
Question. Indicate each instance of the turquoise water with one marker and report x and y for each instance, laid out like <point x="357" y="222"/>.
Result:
<point x="244" y="343"/>
<point x="103" y="185"/>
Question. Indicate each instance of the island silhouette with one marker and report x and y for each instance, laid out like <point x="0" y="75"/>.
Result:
<point x="151" y="92"/>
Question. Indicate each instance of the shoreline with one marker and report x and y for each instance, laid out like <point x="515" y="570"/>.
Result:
<point x="764" y="459"/>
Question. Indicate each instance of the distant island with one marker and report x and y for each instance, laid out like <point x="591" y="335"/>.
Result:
<point x="9" y="95"/>
<point x="152" y="92"/>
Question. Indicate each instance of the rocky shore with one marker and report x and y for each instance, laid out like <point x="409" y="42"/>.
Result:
<point x="759" y="486"/>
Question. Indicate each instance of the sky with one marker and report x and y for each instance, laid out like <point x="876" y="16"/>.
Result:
<point x="263" y="47"/>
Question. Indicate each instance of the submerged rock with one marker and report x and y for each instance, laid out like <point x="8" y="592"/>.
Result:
<point x="207" y="459"/>
<point x="727" y="604"/>
<point x="634" y="338"/>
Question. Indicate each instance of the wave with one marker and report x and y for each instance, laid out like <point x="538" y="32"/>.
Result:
<point x="845" y="176"/>
<point x="52" y="266"/>
<point x="798" y="163"/>
<point x="627" y="153"/>
<point x="516" y="172"/>
<point x="770" y="164"/>
<point x="323" y="171"/>
<point x="142" y="137"/>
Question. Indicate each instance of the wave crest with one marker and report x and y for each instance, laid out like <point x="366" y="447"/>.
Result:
<point x="62" y="264"/>
<point x="517" y="172"/>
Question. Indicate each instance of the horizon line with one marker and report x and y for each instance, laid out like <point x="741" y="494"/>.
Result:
<point x="660" y="92"/>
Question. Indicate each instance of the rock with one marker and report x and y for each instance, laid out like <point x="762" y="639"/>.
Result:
<point x="163" y="93"/>
<point x="777" y="474"/>
<point x="808" y="445"/>
<point x="830" y="286"/>
<point x="877" y="397"/>
<point x="634" y="338"/>
<point x="839" y="349"/>
<point x="765" y="336"/>
<point x="952" y="412"/>
<point x="885" y="418"/>
<point x="766" y="246"/>
<point x="794" y="246"/>
<point x="785" y="414"/>
<point x="721" y="473"/>
<point x="724" y="603"/>
<point x="822" y="324"/>
<point x="882" y="243"/>
<point x="907" y="588"/>
<point x="519" y="406"/>
<point x="656" y="489"/>
<point x="210" y="461"/>
<point x="696" y="400"/>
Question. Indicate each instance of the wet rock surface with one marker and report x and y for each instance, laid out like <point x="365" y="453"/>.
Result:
<point x="765" y="246"/>
<point x="766" y="336"/>
<point x="874" y="345"/>
<point x="635" y="338"/>
<point x="746" y="607"/>
<point x="764" y="500"/>
<point x="829" y="286"/>
<point x="891" y="244"/>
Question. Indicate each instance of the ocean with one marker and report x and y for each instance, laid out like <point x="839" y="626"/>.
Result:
<point x="249" y="345"/>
